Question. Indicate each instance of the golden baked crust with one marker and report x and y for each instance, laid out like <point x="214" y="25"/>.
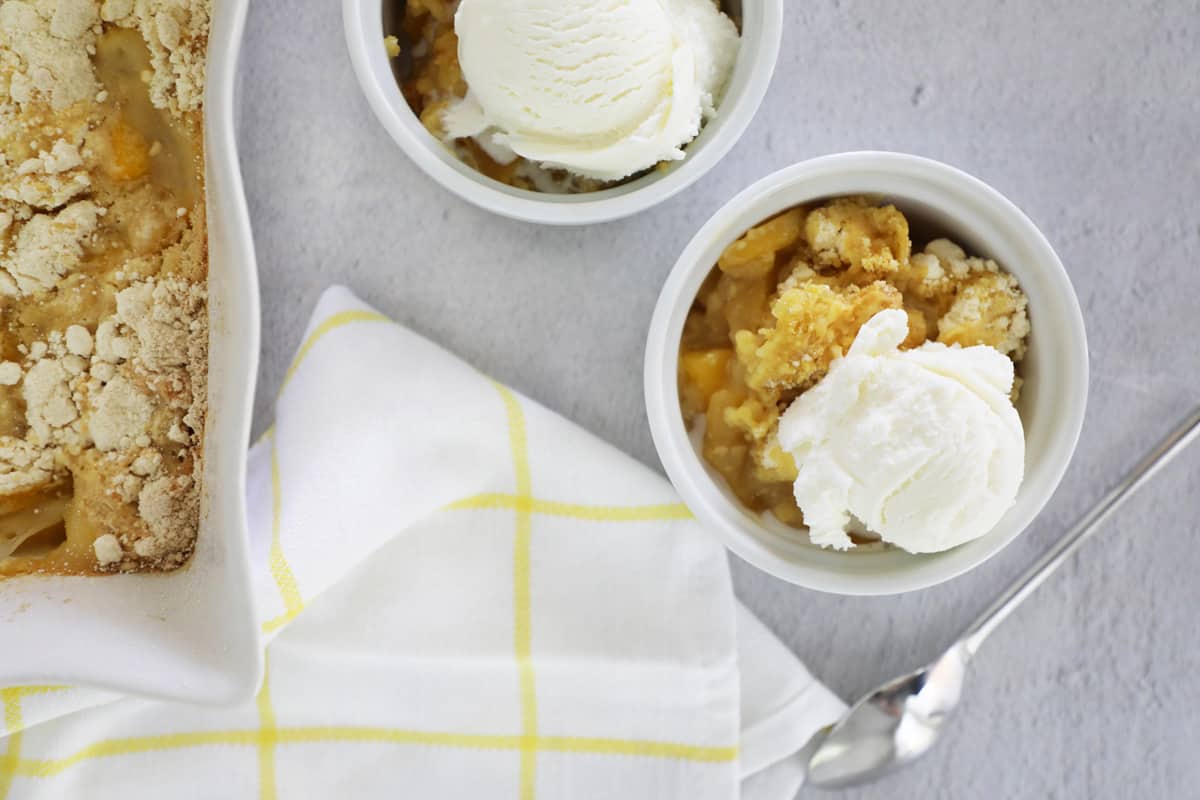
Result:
<point x="788" y="298"/>
<point x="103" y="271"/>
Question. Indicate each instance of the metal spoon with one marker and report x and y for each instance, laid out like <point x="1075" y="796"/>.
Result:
<point x="899" y="721"/>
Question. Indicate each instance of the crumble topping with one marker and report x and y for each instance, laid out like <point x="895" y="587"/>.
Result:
<point x="45" y="50"/>
<point x="103" y="268"/>
<point x="108" y="550"/>
<point x="852" y="232"/>
<point x="47" y="248"/>
<point x="176" y="32"/>
<point x="23" y="465"/>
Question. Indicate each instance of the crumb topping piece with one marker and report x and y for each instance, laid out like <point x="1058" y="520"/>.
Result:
<point x="48" y="247"/>
<point x="44" y="47"/>
<point x="851" y="232"/>
<point x="176" y="32"/>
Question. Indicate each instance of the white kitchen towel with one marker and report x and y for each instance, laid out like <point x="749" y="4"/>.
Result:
<point x="467" y="597"/>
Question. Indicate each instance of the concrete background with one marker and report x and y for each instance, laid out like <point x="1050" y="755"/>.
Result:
<point x="1085" y="114"/>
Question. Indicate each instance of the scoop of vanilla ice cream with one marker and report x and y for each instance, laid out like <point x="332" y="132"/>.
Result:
<point x="601" y="88"/>
<point x="923" y="446"/>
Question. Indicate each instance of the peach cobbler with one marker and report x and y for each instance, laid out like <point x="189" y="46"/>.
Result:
<point x="103" y="274"/>
<point x="790" y="296"/>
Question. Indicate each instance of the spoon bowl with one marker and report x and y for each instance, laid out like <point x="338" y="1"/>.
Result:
<point x="890" y="727"/>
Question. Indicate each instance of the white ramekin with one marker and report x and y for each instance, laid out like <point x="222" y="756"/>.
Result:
<point x="762" y="22"/>
<point x="950" y="203"/>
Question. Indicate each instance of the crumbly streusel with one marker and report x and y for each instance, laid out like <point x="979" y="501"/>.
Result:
<point x="788" y="298"/>
<point x="103" y="271"/>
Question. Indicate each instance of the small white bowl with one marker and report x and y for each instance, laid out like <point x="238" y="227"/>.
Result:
<point x="947" y="202"/>
<point x="762" y="24"/>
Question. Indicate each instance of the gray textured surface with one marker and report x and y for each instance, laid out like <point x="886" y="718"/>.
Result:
<point x="1085" y="115"/>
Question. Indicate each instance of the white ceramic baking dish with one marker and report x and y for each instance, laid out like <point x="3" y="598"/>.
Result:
<point x="189" y="635"/>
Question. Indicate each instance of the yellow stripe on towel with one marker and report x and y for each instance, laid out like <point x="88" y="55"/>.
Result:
<point x="281" y="571"/>
<point x="522" y="613"/>
<point x="267" y="736"/>
<point x="11" y="760"/>
<point x="587" y="513"/>
<point x="636" y="748"/>
<point x="336" y="321"/>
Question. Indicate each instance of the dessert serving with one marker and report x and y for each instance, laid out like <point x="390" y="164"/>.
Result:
<point x="103" y="270"/>
<point x="565" y="95"/>
<point x="853" y="387"/>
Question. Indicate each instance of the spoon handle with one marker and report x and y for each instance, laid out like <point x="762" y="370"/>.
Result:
<point x="1033" y="577"/>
